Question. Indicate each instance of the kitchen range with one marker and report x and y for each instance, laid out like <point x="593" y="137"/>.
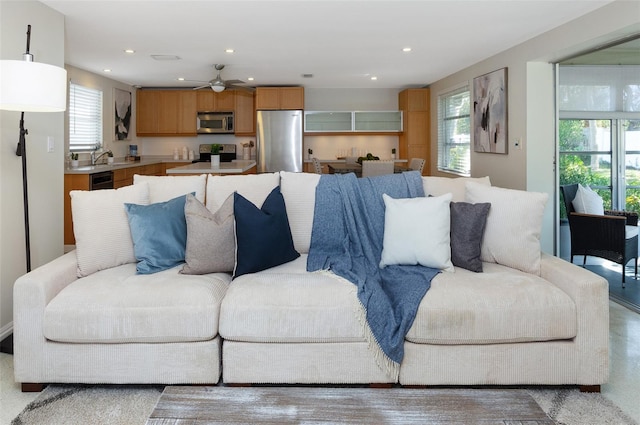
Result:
<point x="227" y="153"/>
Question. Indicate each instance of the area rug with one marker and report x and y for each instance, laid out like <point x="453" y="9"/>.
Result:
<point x="130" y="405"/>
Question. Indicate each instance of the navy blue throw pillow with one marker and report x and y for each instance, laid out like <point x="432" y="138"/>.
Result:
<point x="263" y="236"/>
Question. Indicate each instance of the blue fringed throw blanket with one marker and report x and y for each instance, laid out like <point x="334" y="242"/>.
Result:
<point x="347" y="235"/>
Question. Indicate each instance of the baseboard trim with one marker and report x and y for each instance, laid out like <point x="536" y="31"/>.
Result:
<point x="6" y="330"/>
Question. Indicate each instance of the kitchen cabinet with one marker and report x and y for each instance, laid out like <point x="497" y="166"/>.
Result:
<point x="245" y="114"/>
<point x="353" y="121"/>
<point x="72" y="182"/>
<point x="166" y="113"/>
<point x="279" y="98"/>
<point x="209" y="101"/>
<point x="414" y="142"/>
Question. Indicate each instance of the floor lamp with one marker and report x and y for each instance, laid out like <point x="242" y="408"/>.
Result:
<point x="28" y="86"/>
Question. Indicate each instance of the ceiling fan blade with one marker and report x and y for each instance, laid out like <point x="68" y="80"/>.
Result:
<point x="230" y="82"/>
<point x="245" y="88"/>
<point x="208" y="85"/>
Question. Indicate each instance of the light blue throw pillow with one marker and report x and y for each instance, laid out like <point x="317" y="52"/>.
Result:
<point x="159" y="233"/>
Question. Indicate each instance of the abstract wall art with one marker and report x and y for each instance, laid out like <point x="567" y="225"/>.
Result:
<point x="122" y="114"/>
<point x="490" y="112"/>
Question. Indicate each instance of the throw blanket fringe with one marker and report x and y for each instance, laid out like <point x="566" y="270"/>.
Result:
<point x="347" y="239"/>
<point x="382" y="360"/>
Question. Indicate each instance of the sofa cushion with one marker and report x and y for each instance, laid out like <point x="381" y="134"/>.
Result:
<point x="299" y="192"/>
<point x="101" y="226"/>
<point x="410" y="239"/>
<point x="119" y="306"/>
<point x="514" y="224"/>
<point x="500" y="305"/>
<point x="437" y="186"/>
<point x="211" y="242"/>
<point x="164" y="188"/>
<point x="263" y="236"/>
<point x="467" y="229"/>
<point x="291" y="306"/>
<point x="254" y="187"/>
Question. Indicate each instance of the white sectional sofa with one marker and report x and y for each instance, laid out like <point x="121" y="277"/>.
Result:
<point x="89" y="317"/>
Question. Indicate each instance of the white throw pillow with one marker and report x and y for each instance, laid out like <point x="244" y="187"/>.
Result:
<point x="254" y="187"/>
<point x="101" y="226"/>
<point x="165" y="188"/>
<point x="417" y="231"/>
<point x="514" y="224"/>
<point x="299" y="192"/>
<point x="437" y="186"/>
<point x="587" y="201"/>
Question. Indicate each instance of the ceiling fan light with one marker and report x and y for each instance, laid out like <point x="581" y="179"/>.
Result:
<point x="217" y="87"/>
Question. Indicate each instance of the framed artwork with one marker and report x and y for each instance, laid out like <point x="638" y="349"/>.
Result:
<point x="490" y="112"/>
<point x="122" y="114"/>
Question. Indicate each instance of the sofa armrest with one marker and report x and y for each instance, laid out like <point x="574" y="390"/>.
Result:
<point x="31" y="294"/>
<point x="590" y="293"/>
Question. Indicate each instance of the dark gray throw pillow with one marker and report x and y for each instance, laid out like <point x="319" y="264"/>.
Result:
<point x="467" y="228"/>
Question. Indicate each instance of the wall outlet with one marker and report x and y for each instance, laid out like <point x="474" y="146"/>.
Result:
<point x="50" y="144"/>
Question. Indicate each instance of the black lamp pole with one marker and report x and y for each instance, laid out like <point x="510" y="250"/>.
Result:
<point x="21" y="150"/>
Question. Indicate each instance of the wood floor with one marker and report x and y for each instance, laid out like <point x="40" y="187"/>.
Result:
<point x="304" y="405"/>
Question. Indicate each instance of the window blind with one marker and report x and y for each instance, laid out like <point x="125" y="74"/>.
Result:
<point x="85" y="118"/>
<point x="454" y="131"/>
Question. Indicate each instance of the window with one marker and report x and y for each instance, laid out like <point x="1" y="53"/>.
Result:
<point x="454" y="131"/>
<point x="85" y="118"/>
<point x="599" y="132"/>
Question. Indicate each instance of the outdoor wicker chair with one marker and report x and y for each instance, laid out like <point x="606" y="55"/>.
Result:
<point x="606" y="236"/>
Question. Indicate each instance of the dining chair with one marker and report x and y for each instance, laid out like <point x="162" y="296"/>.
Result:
<point x="350" y="159"/>
<point x="317" y="166"/>
<point x="417" y="164"/>
<point x="377" y="167"/>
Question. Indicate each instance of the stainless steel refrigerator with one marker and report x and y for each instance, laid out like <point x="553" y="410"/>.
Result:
<point x="279" y="141"/>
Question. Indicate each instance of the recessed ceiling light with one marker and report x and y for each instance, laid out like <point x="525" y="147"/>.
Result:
<point x="228" y="50"/>
<point x="107" y="70"/>
<point x="250" y="79"/>
<point x="406" y="49"/>
<point x="130" y="51"/>
<point x="374" y="78"/>
<point x="180" y="78"/>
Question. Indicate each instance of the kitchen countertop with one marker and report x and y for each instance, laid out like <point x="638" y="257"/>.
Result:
<point x="238" y="166"/>
<point x="121" y="163"/>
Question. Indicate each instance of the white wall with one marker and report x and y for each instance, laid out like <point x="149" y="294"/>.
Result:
<point x="45" y="170"/>
<point x="531" y="101"/>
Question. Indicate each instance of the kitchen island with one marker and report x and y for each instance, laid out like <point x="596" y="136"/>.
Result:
<point x="239" y="166"/>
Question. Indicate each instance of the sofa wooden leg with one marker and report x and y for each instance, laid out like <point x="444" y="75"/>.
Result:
<point x="28" y="387"/>
<point x="589" y="388"/>
<point x="381" y="385"/>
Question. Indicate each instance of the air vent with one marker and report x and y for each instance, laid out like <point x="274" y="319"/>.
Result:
<point x="307" y="75"/>
<point x="165" y="57"/>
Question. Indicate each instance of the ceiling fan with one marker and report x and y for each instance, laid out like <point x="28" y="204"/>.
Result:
<point x="218" y="84"/>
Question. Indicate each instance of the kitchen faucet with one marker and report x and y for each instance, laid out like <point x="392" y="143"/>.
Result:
<point x="95" y="159"/>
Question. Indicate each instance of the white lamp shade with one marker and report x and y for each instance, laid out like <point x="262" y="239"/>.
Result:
<point x="32" y="87"/>
<point x="218" y="87"/>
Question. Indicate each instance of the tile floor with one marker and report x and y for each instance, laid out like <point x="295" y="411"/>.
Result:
<point x="623" y="387"/>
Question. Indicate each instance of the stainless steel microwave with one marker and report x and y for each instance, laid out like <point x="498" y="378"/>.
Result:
<point x="215" y="122"/>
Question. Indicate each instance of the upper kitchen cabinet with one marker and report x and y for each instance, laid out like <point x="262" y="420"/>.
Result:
<point x="345" y="122"/>
<point x="277" y="98"/>
<point x="415" y="142"/>
<point x="210" y="101"/>
<point x="245" y="114"/>
<point x="166" y="113"/>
